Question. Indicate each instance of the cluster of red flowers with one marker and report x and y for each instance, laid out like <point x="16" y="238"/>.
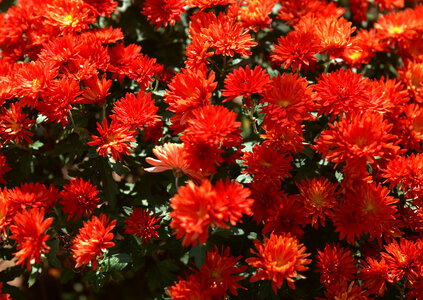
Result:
<point x="296" y="134"/>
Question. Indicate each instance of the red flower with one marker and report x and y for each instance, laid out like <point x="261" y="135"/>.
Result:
<point x="4" y="296"/>
<point x="134" y="111"/>
<point x="186" y="289"/>
<point x="14" y="125"/>
<point x="6" y="213"/>
<point x="297" y="48"/>
<point x="216" y="276"/>
<point x="336" y="264"/>
<point x="290" y="98"/>
<point x="115" y="139"/>
<point x="282" y="135"/>
<point x="93" y="238"/>
<point x="279" y="257"/>
<point x="404" y="259"/>
<point x="256" y="15"/>
<point x="194" y="209"/>
<point x="374" y="275"/>
<point x="245" y="82"/>
<point x="142" y="225"/>
<point x="318" y="195"/>
<point x="163" y="12"/>
<point x="28" y="230"/>
<point x="79" y="198"/>
<point x="264" y="162"/>
<point x="96" y="90"/>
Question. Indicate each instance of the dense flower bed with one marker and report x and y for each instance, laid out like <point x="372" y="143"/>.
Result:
<point x="254" y="149"/>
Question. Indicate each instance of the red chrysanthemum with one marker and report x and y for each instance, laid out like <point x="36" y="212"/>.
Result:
<point x="79" y="198"/>
<point x="96" y="90"/>
<point x="163" y="12"/>
<point x="283" y="136"/>
<point x="136" y="111"/>
<point x="245" y="82"/>
<point x="171" y="157"/>
<point x="318" y="195"/>
<point x="298" y="49"/>
<point x="360" y="137"/>
<point x="186" y="289"/>
<point x="404" y="259"/>
<point x="374" y="275"/>
<point x="28" y="229"/>
<point x="397" y="26"/>
<point x="336" y="264"/>
<point x="412" y="76"/>
<point x="216" y="276"/>
<point x="195" y="208"/>
<point x="14" y="125"/>
<point x="341" y="91"/>
<point x="265" y="162"/>
<point x="115" y="139"/>
<point x="255" y="15"/>
<point x="266" y="193"/>
<point x="142" y="225"/>
<point x="203" y="4"/>
<point x="289" y="97"/>
<point x="280" y="258"/>
<point x="93" y="238"/>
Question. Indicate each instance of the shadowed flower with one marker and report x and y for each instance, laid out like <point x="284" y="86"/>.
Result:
<point x="163" y="12"/>
<point x="142" y="225"/>
<point x="93" y="238"/>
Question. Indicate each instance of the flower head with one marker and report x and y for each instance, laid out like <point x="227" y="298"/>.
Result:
<point x="142" y="225"/>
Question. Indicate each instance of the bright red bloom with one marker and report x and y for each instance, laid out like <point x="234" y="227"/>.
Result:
<point x="297" y="48"/>
<point x="96" y="90"/>
<point x="264" y="162"/>
<point x="203" y="4"/>
<point x="245" y="82"/>
<point x="28" y="229"/>
<point x="397" y="26"/>
<point x="228" y="37"/>
<point x="236" y="198"/>
<point x="115" y="139"/>
<point x="289" y="97"/>
<point x="343" y="290"/>
<point x="14" y="125"/>
<point x="282" y="136"/>
<point x="142" y="225"/>
<point x="102" y="7"/>
<point x="163" y="12"/>
<point x="32" y="195"/>
<point x="216" y="276"/>
<point x="186" y="289"/>
<point x="136" y="111"/>
<point x="79" y="198"/>
<point x="318" y="195"/>
<point x="374" y="275"/>
<point x="362" y="136"/>
<point x="194" y="209"/>
<point x="336" y="264"/>
<point x="341" y="91"/>
<point x="412" y="75"/>
<point x="279" y="257"/>
<point x="256" y="14"/>
<point x="4" y="168"/>
<point x="364" y="47"/>
<point x="93" y="238"/>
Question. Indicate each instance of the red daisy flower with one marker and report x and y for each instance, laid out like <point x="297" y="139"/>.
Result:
<point x="404" y="260"/>
<point x="297" y="48"/>
<point x="115" y="139"/>
<point x="290" y="98"/>
<point x="163" y="12"/>
<point x="245" y="82"/>
<point x="412" y="75"/>
<point x="14" y="125"/>
<point x="216" y="276"/>
<point x="96" y="90"/>
<point x="79" y="198"/>
<point x="255" y="15"/>
<point x="336" y="264"/>
<point x="282" y="136"/>
<point x="186" y="289"/>
<point x="28" y="229"/>
<point x="142" y="225"/>
<point x="93" y="238"/>
<point x="194" y="209"/>
<point x="374" y="275"/>
<point x="279" y="257"/>
<point x="318" y="195"/>
<point x="136" y="111"/>
<point x="265" y="162"/>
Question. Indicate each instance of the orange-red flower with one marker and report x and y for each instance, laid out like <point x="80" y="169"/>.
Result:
<point x="336" y="264"/>
<point x="279" y="258"/>
<point x="28" y="229"/>
<point x="115" y="139"/>
<point x="14" y="125"/>
<point x="245" y="82"/>
<point x="93" y="238"/>
<point x="142" y="225"/>
<point x="79" y="198"/>
<point x="374" y="275"/>
<point x="96" y="90"/>
<point x="163" y="12"/>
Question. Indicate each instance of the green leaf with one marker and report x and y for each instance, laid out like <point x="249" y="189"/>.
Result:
<point x="35" y="273"/>
<point x="117" y="261"/>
